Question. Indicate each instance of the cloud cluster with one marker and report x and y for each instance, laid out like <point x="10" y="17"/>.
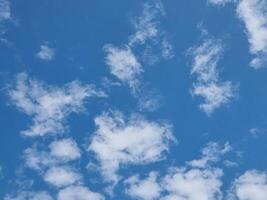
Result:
<point x="49" y="106"/>
<point x="126" y="62"/>
<point x="121" y="141"/>
<point x="253" y="14"/>
<point x="194" y="181"/>
<point x="208" y="85"/>
<point x="57" y="167"/>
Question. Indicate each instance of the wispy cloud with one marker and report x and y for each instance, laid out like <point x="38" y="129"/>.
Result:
<point x="220" y="2"/>
<point x="208" y="84"/>
<point x="134" y="141"/>
<point x="49" y="106"/>
<point x="5" y="14"/>
<point x="46" y="52"/>
<point x="253" y="14"/>
<point x="146" y="46"/>
<point x="210" y="154"/>
<point x="5" y="11"/>
<point x="30" y="195"/>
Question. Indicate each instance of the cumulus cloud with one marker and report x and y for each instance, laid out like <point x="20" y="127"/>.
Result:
<point x="46" y="52"/>
<point x="66" y="149"/>
<point x="78" y="193"/>
<point x="253" y="14"/>
<point x="146" y="189"/>
<point x="55" y="165"/>
<point x="49" y="106"/>
<point x="41" y="195"/>
<point x="194" y="184"/>
<point x="62" y="176"/>
<point x="252" y="185"/>
<point x="197" y="180"/>
<point x="121" y="141"/>
<point x="61" y="151"/>
<point x="213" y="91"/>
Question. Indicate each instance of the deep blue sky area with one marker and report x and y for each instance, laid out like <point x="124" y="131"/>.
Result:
<point x="54" y="43"/>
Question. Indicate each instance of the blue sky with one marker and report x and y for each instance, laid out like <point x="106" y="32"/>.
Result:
<point x="145" y="100"/>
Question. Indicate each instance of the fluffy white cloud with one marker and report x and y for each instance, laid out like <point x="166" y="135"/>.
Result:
<point x="49" y="106"/>
<point x="123" y="64"/>
<point x="252" y="185"/>
<point x="253" y="14"/>
<point x="62" y="176"/>
<point x="146" y="189"/>
<point x="210" y="154"/>
<point x="61" y="151"/>
<point x="193" y="184"/>
<point x="66" y="149"/>
<point x="197" y="180"/>
<point x="78" y="193"/>
<point x="214" y="92"/>
<point x="121" y="141"/>
<point x="46" y="52"/>
<point x="41" y="195"/>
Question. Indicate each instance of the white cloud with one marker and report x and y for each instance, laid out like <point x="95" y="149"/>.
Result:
<point x="121" y="141"/>
<point x="147" y="44"/>
<point x="197" y="180"/>
<point x="49" y="163"/>
<point x="253" y="14"/>
<point x="252" y="185"/>
<point x="146" y="189"/>
<point x="220" y="2"/>
<point x="194" y="184"/>
<point x="149" y="35"/>
<point x="37" y="160"/>
<point x="66" y="149"/>
<point x="62" y="176"/>
<point x="46" y="52"/>
<point x="214" y="92"/>
<point x="123" y="64"/>
<point x="49" y="106"/>
<point x="41" y="195"/>
<point x="210" y="154"/>
<point x="78" y="193"/>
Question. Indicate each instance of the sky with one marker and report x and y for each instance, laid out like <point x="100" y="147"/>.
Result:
<point x="136" y="99"/>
